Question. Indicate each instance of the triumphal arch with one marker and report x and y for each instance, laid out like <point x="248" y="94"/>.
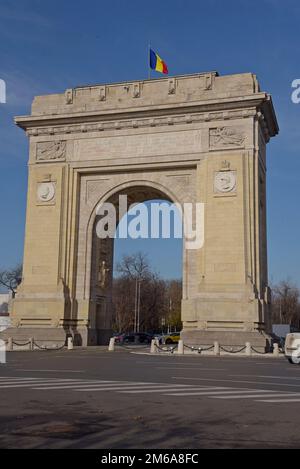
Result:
<point x="191" y="138"/>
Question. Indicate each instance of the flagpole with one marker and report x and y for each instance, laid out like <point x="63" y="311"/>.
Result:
<point x="149" y="68"/>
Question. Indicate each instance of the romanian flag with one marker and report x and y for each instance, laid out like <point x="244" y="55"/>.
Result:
<point x="156" y="63"/>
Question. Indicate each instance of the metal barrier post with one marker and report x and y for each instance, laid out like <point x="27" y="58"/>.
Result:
<point x="153" y="346"/>
<point x="180" y="347"/>
<point x="31" y="344"/>
<point x="111" y="347"/>
<point x="248" y="348"/>
<point x="275" y="350"/>
<point x="70" y="343"/>
<point x="216" y="348"/>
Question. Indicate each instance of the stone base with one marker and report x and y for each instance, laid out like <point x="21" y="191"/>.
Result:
<point x="57" y="336"/>
<point x="229" y="339"/>
<point x="43" y="336"/>
<point x="85" y="336"/>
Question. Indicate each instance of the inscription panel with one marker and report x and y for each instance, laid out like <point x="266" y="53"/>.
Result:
<point x="137" y="146"/>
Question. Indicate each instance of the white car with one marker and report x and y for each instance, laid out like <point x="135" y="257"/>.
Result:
<point x="292" y="348"/>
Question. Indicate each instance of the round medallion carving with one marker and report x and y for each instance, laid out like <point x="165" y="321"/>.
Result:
<point x="225" y="181"/>
<point x="46" y="191"/>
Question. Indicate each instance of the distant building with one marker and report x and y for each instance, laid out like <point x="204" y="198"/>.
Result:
<point x="4" y="300"/>
<point x="4" y="322"/>
<point x="281" y="330"/>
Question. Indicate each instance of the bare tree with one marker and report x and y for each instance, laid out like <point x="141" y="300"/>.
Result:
<point x="174" y="297"/>
<point x="286" y="303"/>
<point x="160" y="300"/>
<point x="123" y="300"/>
<point x="11" y="278"/>
<point x="136" y="265"/>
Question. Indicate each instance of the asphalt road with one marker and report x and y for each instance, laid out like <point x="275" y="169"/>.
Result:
<point x="96" y="399"/>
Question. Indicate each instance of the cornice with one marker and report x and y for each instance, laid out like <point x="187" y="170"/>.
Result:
<point x="258" y="105"/>
<point x="207" y="106"/>
<point x="99" y="126"/>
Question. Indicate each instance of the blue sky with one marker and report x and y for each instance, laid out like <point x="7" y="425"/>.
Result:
<point x="50" y="45"/>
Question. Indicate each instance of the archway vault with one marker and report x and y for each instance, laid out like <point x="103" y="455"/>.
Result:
<point x="137" y="188"/>
<point x="193" y="138"/>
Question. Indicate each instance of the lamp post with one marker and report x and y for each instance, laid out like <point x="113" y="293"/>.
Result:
<point x="135" y="305"/>
<point x="138" y="304"/>
<point x="170" y="314"/>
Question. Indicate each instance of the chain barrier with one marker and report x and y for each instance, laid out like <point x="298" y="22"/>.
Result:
<point x="48" y="348"/>
<point x="198" y="349"/>
<point x="256" y="351"/>
<point x="232" y="351"/>
<point x="21" y="345"/>
<point x="171" y="349"/>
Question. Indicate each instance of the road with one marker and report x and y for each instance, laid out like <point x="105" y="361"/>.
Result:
<point x="90" y="398"/>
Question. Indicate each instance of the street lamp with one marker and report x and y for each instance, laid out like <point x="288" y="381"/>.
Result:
<point x="135" y="304"/>
<point x="138" y="304"/>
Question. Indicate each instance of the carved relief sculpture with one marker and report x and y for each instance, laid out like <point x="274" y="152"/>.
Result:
<point x="45" y="191"/>
<point x="102" y="276"/>
<point x="221" y="137"/>
<point x="51" y="150"/>
<point x="225" y="181"/>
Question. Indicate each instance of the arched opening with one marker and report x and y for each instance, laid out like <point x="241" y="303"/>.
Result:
<point x="145" y="298"/>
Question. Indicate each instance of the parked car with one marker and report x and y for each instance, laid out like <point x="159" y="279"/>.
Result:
<point x="118" y="336"/>
<point x="292" y="348"/>
<point x="171" y="338"/>
<point x="137" y="338"/>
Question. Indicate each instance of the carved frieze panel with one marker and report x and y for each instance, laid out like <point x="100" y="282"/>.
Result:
<point x="48" y="151"/>
<point x="180" y="179"/>
<point x="226" y="137"/>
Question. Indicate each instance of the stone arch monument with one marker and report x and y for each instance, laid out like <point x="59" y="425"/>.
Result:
<point x="191" y="138"/>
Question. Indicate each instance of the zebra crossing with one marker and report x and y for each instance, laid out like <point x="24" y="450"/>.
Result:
<point x="142" y="387"/>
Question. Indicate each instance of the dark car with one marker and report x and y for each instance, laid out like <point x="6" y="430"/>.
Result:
<point x="136" y="338"/>
<point x="119" y="337"/>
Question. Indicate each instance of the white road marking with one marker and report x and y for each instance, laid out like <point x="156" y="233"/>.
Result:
<point x="54" y="371"/>
<point x="279" y="400"/>
<point x="271" y="377"/>
<point x="184" y="368"/>
<point x="237" y="381"/>
<point x="41" y="382"/>
<point x="19" y="383"/>
<point x="274" y="394"/>
<point x="3" y="383"/>
<point x="170" y="388"/>
<point x="166" y="389"/>
<point x="143" y="388"/>
<point x="233" y="391"/>
<point x="90" y="384"/>
<point x="19" y="378"/>
<point x="121" y="389"/>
